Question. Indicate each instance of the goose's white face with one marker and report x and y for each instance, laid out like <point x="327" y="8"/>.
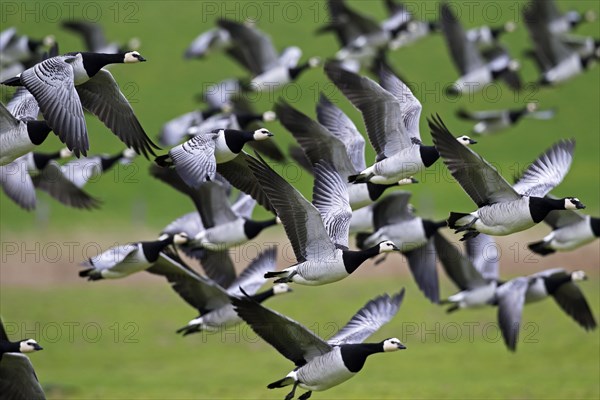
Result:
<point x="578" y="276"/>
<point x="281" y="288"/>
<point x="387" y="246"/>
<point x="393" y="344"/>
<point x="29" y="346"/>
<point x="180" y="238"/>
<point x="573" y="203"/>
<point x="465" y="140"/>
<point x="133" y="57"/>
<point x="531" y="107"/>
<point x="269" y="116"/>
<point x="262" y="134"/>
<point x="510" y="26"/>
<point x="314" y="62"/>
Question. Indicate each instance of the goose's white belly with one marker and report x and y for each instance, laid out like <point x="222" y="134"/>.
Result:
<point x="504" y="218"/>
<point x="478" y="297"/>
<point x="358" y="195"/>
<point x="14" y="144"/>
<point x="568" y="68"/>
<point x="271" y="79"/>
<point x="571" y="237"/>
<point x="362" y="219"/>
<point x="324" y="372"/>
<point x="536" y="291"/>
<point x="224" y="236"/>
<point x="473" y="81"/>
<point x="401" y="165"/>
<point x="407" y="236"/>
<point x="314" y="273"/>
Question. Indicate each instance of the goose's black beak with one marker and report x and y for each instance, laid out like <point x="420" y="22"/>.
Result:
<point x="413" y="180"/>
<point x="401" y="347"/>
<point x="270" y="134"/>
<point x="396" y="248"/>
<point x="580" y="206"/>
<point x="38" y="347"/>
<point x="142" y="59"/>
<point x="471" y="141"/>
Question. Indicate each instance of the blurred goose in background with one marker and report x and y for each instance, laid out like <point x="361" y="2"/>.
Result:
<point x="216" y="225"/>
<point x="546" y="13"/>
<point x="555" y="59"/>
<point x="211" y="296"/>
<point x="64" y="85"/>
<point x="486" y="35"/>
<point x="362" y="219"/>
<point x="212" y="40"/>
<point x="570" y="231"/>
<point x="407" y="28"/>
<point x="474" y="273"/>
<point x="321" y="364"/>
<point x="318" y="232"/>
<point x="254" y="50"/>
<point x="493" y="121"/>
<point x="19" y="52"/>
<point x="124" y="260"/>
<point x="95" y="39"/>
<point x="20" y="131"/>
<point x="391" y="114"/>
<point x="196" y="160"/>
<point x="394" y="220"/>
<point x="558" y="283"/>
<point x="65" y="182"/>
<point x="20" y="178"/>
<point x="336" y="140"/>
<point x="503" y="209"/>
<point x="476" y="69"/>
<point x="17" y="376"/>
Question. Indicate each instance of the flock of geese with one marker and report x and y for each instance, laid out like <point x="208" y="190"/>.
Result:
<point x="209" y="157"/>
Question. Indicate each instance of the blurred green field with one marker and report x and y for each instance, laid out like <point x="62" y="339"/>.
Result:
<point x="116" y="339"/>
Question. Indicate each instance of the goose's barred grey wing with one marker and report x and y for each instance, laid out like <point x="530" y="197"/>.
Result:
<point x="483" y="252"/>
<point x="17" y="184"/>
<point x="18" y="380"/>
<point x="547" y="171"/>
<point x="570" y="298"/>
<point x="199" y="292"/>
<point x="102" y="97"/>
<point x="23" y="105"/>
<point x="458" y="267"/>
<point x="292" y="340"/>
<point x="478" y="178"/>
<point x="51" y="83"/>
<point x="219" y="267"/>
<point x="330" y="197"/>
<point x="252" y="278"/>
<point x="421" y="262"/>
<point x="392" y="209"/>
<point x="411" y="106"/>
<point x="369" y="319"/>
<point x="337" y="122"/>
<point x="511" y="299"/>
<point x="53" y="181"/>
<point x="301" y="220"/>
<point x="465" y="54"/>
<point x="244" y="206"/>
<point x="316" y="141"/>
<point x="195" y="159"/>
<point x="214" y="207"/>
<point x="238" y="173"/>
<point x="255" y="47"/>
<point x="381" y="110"/>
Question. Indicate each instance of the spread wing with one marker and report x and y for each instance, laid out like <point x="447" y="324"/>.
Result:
<point x="17" y="184"/>
<point x="392" y="209"/>
<point x="464" y="52"/>
<point x="252" y="278"/>
<point x="478" y="178"/>
<point x="458" y="267"/>
<point x="195" y="159"/>
<point x="292" y="340"/>
<point x="103" y="98"/>
<point x="369" y="319"/>
<point x="483" y="252"/>
<point x="511" y="298"/>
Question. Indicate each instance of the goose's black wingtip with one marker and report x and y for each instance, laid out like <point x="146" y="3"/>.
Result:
<point x="164" y="161"/>
<point x="14" y="81"/>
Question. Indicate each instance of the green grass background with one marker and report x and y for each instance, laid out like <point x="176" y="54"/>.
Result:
<point x="563" y="363"/>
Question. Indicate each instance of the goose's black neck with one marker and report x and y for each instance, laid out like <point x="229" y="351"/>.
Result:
<point x="33" y="45"/>
<point x="429" y="155"/>
<point x="108" y="162"/>
<point x="587" y="61"/>
<point x="262" y="296"/>
<point x="40" y="160"/>
<point x="375" y="190"/>
<point x="152" y="249"/>
<point x="353" y="259"/>
<point x="94" y="62"/>
<point x="253" y="228"/>
<point x="9" y="347"/>
<point x="431" y="227"/>
<point x="595" y="224"/>
<point x="237" y="139"/>
<point x="355" y="355"/>
<point x="516" y="115"/>
<point x="555" y="281"/>
<point x="38" y="131"/>
<point x="247" y="118"/>
<point x="296" y="71"/>
<point x="539" y="207"/>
